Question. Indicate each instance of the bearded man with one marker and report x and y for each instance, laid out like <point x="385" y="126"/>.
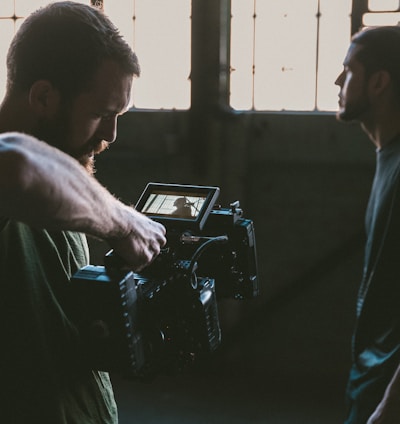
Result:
<point x="370" y="94"/>
<point x="69" y="76"/>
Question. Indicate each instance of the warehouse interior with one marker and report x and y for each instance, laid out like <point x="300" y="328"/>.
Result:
<point x="304" y="180"/>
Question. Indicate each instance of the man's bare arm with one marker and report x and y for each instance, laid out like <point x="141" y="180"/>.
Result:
<point x="44" y="187"/>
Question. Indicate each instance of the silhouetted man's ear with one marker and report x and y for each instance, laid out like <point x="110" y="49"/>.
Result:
<point x="379" y="81"/>
<point x="44" y="99"/>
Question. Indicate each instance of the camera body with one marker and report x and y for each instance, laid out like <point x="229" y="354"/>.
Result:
<point x="230" y="255"/>
<point x="161" y="320"/>
<point x="140" y="327"/>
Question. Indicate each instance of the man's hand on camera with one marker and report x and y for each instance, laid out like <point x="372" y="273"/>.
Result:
<point x="46" y="188"/>
<point x="142" y="244"/>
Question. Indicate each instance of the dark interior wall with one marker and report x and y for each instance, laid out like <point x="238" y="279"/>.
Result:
<point x="304" y="180"/>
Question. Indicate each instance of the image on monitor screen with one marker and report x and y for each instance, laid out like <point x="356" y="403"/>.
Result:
<point x="178" y="206"/>
<point x="174" y="205"/>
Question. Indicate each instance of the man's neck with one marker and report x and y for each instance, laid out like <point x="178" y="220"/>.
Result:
<point x="383" y="127"/>
<point x="14" y="117"/>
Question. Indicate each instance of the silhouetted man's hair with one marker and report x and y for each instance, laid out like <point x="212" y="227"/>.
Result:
<point x="65" y="43"/>
<point x="380" y="51"/>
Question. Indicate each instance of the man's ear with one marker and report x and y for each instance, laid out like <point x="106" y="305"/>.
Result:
<point x="44" y="98"/>
<point x="379" y="81"/>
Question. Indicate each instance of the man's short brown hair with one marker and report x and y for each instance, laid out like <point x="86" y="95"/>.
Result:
<point x="65" y="43"/>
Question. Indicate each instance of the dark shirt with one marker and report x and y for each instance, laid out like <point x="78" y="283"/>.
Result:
<point x="376" y="340"/>
<point x="42" y="373"/>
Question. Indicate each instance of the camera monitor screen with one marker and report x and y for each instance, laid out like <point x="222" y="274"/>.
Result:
<point x="179" y="205"/>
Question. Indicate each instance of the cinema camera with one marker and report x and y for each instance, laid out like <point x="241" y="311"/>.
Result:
<point x="162" y="319"/>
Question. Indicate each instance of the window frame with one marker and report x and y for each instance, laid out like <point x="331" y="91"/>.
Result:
<point x="211" y="59"/>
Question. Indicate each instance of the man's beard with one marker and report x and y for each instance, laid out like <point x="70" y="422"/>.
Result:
<point x="86" y="159"/>
<point x="56" y="132"/>
<point x="355" y="110"/>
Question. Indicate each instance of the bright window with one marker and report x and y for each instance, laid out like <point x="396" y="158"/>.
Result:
<point x="286" y="54"/>
<point x="159" y="31"/>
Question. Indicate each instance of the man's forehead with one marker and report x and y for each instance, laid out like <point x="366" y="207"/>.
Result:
<point x="112" y="84"/>
<point x="354" y="48"/>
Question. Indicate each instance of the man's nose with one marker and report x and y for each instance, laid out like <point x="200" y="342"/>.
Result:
<point x="339" y="79"/>
<point x="109" y="129"/>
